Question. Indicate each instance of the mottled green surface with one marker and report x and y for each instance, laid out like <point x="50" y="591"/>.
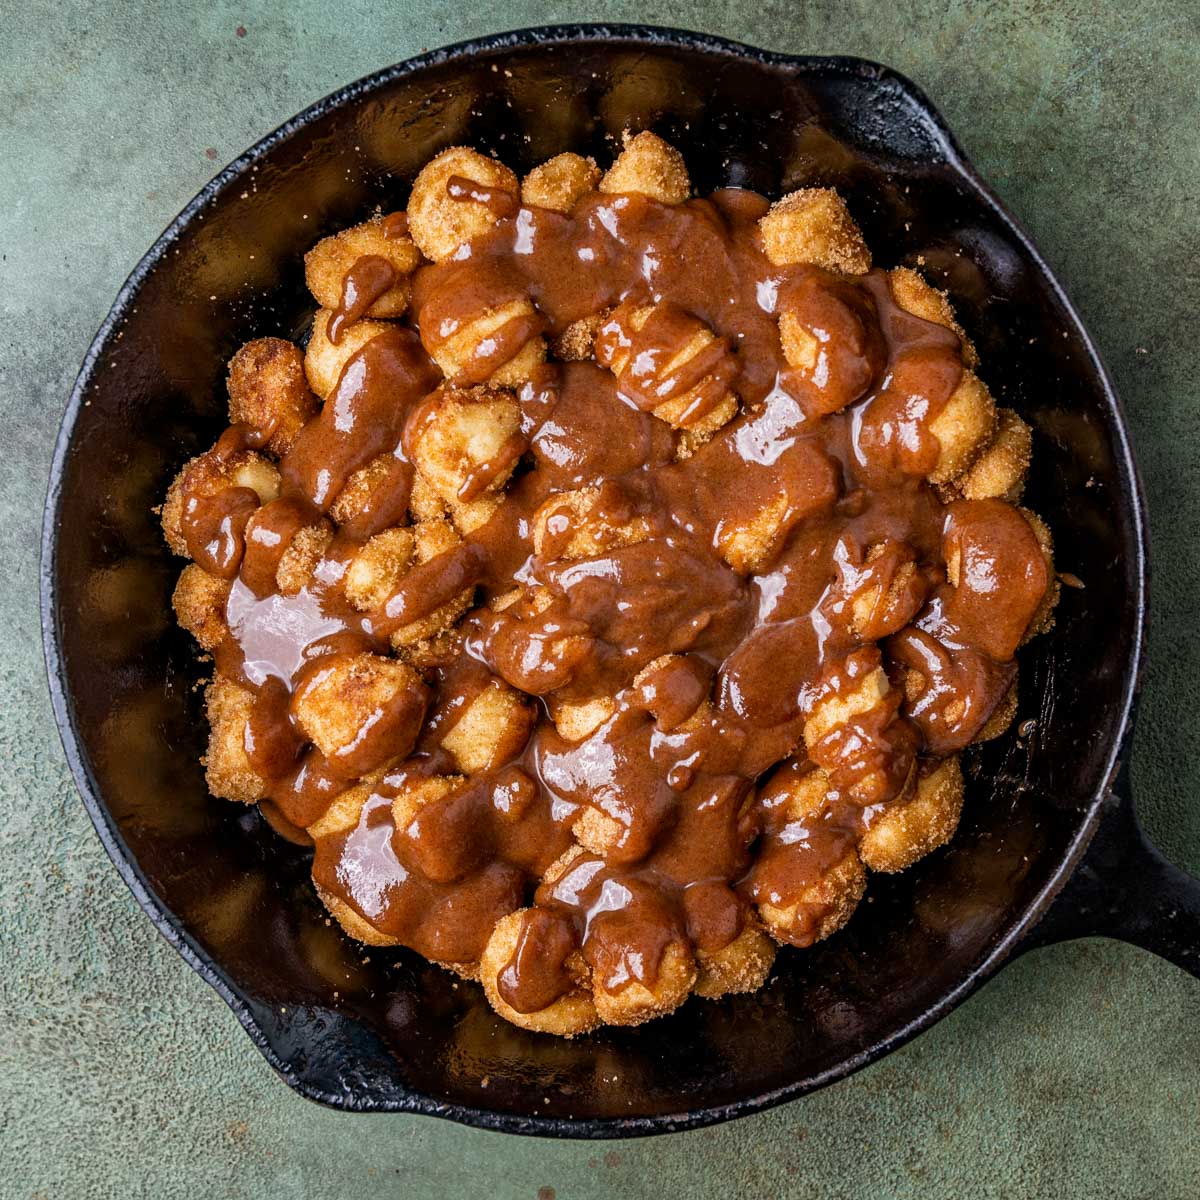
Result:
<point x="1075" y="1073"/>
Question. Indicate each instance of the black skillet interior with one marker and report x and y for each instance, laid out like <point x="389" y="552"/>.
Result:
<point x="385" y="1030"/>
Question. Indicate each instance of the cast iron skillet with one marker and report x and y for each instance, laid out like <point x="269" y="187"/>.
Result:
<point x="1047" y="849"/>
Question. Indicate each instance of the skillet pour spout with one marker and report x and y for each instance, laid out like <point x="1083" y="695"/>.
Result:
<point x="1045" y="851"/>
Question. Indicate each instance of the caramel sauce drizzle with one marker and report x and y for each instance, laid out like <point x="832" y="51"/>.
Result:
<point x="368" y="278"/>
<point x="837" y="452"/>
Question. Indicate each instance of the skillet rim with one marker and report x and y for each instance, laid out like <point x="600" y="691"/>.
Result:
<point x="1131" y="491"/>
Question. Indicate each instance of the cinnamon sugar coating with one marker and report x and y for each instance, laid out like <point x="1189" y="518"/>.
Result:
<point x="613" y="582"/>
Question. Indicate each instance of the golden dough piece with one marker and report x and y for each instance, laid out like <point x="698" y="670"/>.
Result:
<point x="962" y="428"/>
<point x="429" y="653"/>
<point x="1002" y="716"/>
<point x="822" y="908"/>
<point x="914" y="827"/>
<point x="558" y="869"/>
<point x="915" y="683"/>
<point x="439" y="222"/>
<point x="749" y="547"/>
<point x="199" y="603"/>
<point x="491" y="730"/>
<point x="574" y="344"/>
<point x="324" y="361"/>
<point x="835" y="349"/>
<point x="431" y="539"/>
<point x="597" y="832"/>
<point x="347" y="696"/>
<point x="1043" y="617"/>
<point x="378" y="568"/>
<point x="1043" y="620"/>
<point x="416" y="792"/>
<point x="357" y="927"/>
<point x="268" y="391"/>
<point x="804" y="796"/>
<point x="594" y="829"/>
<point x="636" y="1002"/>
<point x="591" y="531"/>
<point x="833" y="711"/>
<point x="467" y="442"/>
<point x="344" y="810"/>
<point x="366" y="487"/>
<point x="360" y="489"/>
<point x="839" y="708"/>
<point x="916" y="295"/>
<point x="742" y="966"/>
<point x="999" y="471"/>
<point x="553" y="640"/>
<point x="813" y="225"/>
<point x="206" y="475"/>
<point x="464" y="970"/>
<point x="455" y="356"/>
<point x="340" y="817"/>
<point x="569" y="1015"/>
<point x="827" y="903"/>
<point x="344" y="814"/>
<point x="700" y="429"/>
<point x="870" y="605"/>
<point x="299" y="561"/>
<point x="330" y="260"/>
<point x="507" y="599"/>
<point x="685" y="710"/>
<point x="523" y="366"/>
<point x="801" y="348"/>
<point x="474" y="515"/>
<point x="560" y="182"/>
<point x="424" y="504"/>
<point x="361" y="930"/>
<point x="809" y="349"/>
<point x="650" y="167"/>
<point x="227" y="768"/>
<point x="690" y="440"/>
<point x="675" y="409"/>
<point x="576" y="720"/>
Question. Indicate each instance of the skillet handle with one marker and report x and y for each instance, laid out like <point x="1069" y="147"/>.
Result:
<point x="1125" y="889"/>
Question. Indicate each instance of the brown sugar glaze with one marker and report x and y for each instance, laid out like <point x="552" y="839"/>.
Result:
<point x="840" y="450"/>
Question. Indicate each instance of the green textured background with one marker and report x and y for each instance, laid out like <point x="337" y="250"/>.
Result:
<point x="1075" y="1073"/>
